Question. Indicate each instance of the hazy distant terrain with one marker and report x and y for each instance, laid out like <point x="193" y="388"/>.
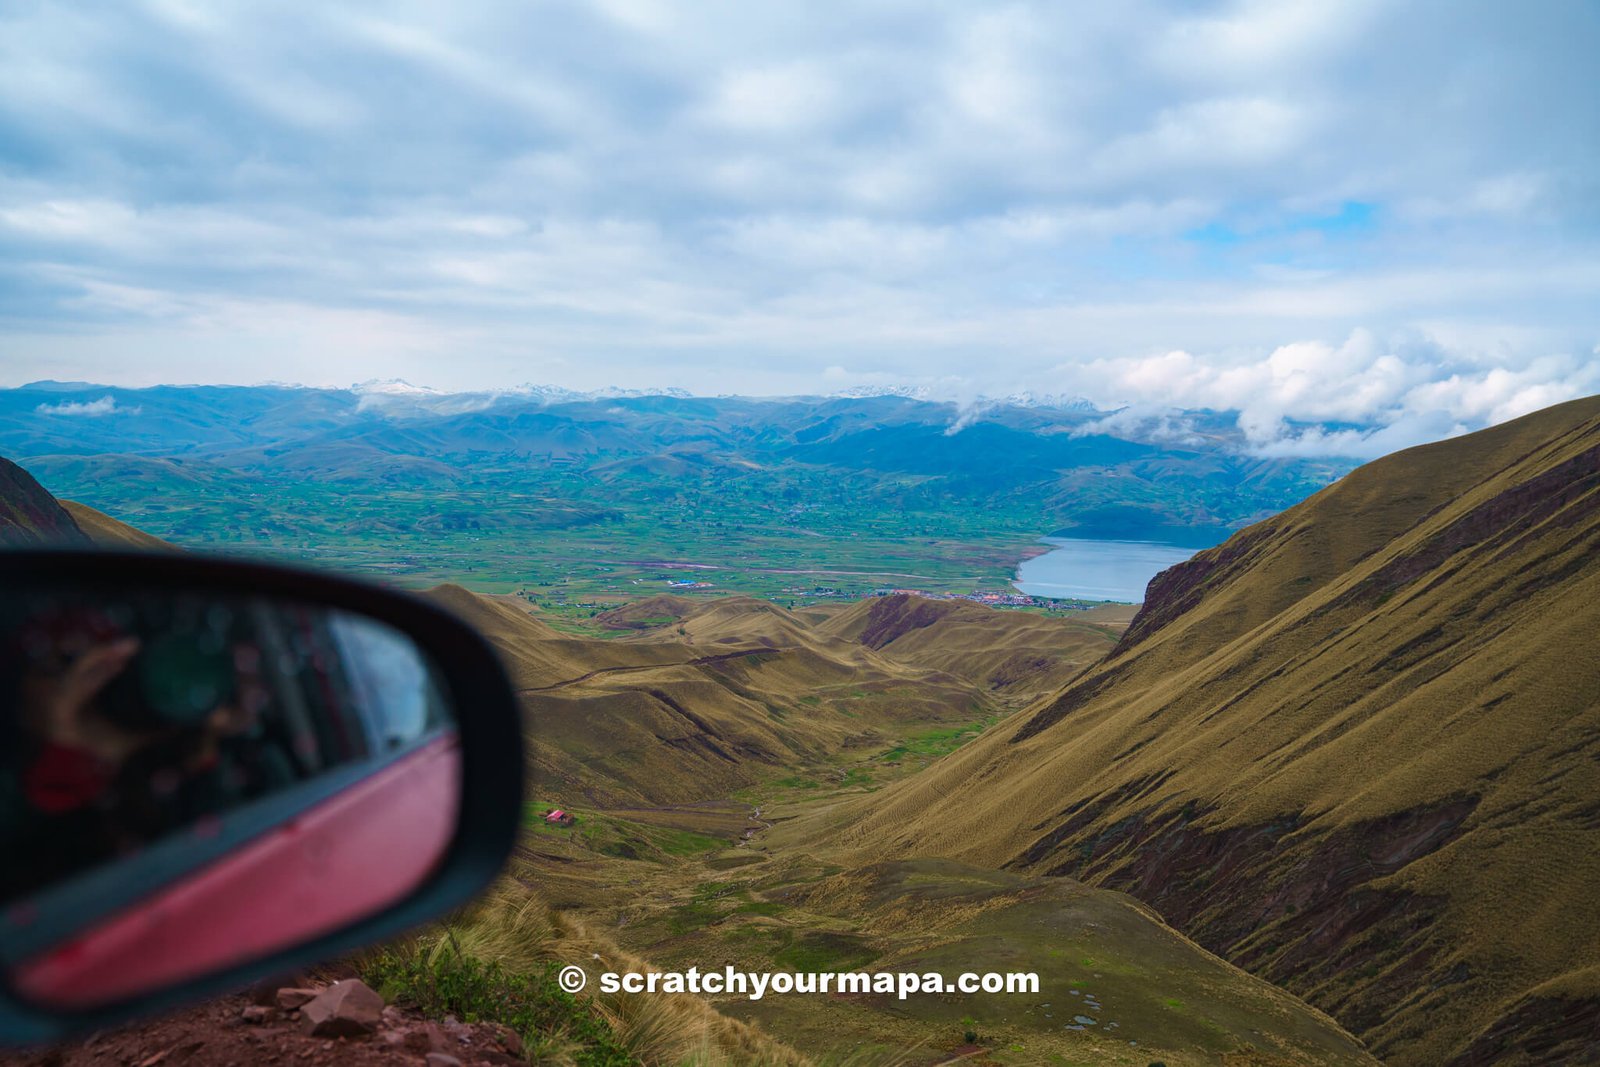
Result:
<point x="600" y="499"/>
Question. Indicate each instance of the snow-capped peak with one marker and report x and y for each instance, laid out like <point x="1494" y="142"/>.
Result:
<point x="392" y="387"/>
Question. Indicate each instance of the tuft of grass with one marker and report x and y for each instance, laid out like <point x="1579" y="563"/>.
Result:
<point x="553" y="1024"/>
<point x="497" y="962"/>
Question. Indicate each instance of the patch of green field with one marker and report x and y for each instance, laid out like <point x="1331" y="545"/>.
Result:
<point x="937" y="741"/>
<point x="816" y="951"/>
<point x="695" y="915"/>
<point x="685" y="842"/>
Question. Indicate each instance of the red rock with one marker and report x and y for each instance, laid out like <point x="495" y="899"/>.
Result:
<point x="294" y="997"/>
<point x="255" y="1014"/>
<point x="440" y="1059"/>
<point x="348" y="1008"/>
<point x="510" y="1040"/>
<point x="428" y="1038"/>
<point x="265" y="991"/>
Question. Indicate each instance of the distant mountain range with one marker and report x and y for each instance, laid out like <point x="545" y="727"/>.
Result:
<point x="1046" y="457"/>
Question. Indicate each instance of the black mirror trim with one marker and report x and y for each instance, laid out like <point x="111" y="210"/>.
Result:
<point x="488" y="725"/>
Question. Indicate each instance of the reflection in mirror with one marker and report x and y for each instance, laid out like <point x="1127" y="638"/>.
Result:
<point x="190" y="781"/>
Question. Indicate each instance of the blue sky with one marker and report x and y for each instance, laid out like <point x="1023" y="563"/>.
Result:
<point x="1381" y="213"/>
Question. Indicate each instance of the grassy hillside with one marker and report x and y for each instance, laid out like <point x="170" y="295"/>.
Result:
<point x="29" y="515"/>
<point x="1028" y="655"/>
<point x="103" y="530"/>
<point x="1355" y="749"/>
<point x="1117" y="986"/>
<point x="496" y="961"/>
<point x="680" y="740"/>
<point x="694" y="700"/>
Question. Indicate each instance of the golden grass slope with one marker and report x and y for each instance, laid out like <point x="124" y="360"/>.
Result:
<point x="536" y="655"/>
<point x="646" y="614"/>
<point x="1355" y="749"/>
<point x="1152" y="994"/>
<point x="719" y="694"/>
<point x="1017" y="653"/>
<point x="512" y="926"/>
<point x="103" y="530"/>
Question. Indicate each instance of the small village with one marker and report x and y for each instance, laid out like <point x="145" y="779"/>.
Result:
<point x="990" y="599"/>
<point x="798" y="594"/>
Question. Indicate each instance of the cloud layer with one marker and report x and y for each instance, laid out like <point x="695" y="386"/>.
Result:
<point x="1361" y="398"/>
<point x="1384" y="211"/>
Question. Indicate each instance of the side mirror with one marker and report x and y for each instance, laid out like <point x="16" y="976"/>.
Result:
<point x="212" y="771"/>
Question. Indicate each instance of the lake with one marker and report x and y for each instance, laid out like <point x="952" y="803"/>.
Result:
<point x="1097" y="570"/>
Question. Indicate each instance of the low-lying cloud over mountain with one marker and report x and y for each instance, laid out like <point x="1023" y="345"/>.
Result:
<point x="1388" y="396"/>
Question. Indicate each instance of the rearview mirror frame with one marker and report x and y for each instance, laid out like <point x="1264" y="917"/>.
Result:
<point x="487" y="723"/>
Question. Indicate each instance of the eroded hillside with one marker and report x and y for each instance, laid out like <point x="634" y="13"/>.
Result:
<point x="695" y="700"/>
<point x="1355" y="749"/>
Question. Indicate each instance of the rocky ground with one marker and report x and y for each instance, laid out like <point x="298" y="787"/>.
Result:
<point x="342" y="1023"/>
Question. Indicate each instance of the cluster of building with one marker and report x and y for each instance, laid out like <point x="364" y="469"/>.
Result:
<point x="994" y="600"/>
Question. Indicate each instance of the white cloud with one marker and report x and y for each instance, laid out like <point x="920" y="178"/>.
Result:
<point x="968" y="414"/>
<point x="106" y="405"/>
<point x="100" y="221"/>
<point x="1260" y="37"/>
<point x="988" y="80"/>
<point x="785" y="98"/>
<point x="1394" y="394"/>
<point x="1226" y="133"/>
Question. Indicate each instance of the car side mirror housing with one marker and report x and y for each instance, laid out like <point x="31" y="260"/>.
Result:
<point x="212" y="771"/>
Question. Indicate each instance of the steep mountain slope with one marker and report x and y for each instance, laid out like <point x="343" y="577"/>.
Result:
<point x="1030" y="655"/>
<point x="29" y="515"/>
<point x="103" y="530"/>
<point x="1355" y="749"/>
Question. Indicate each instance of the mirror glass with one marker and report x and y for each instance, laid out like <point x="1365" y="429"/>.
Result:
<point x="191" y="781"/>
